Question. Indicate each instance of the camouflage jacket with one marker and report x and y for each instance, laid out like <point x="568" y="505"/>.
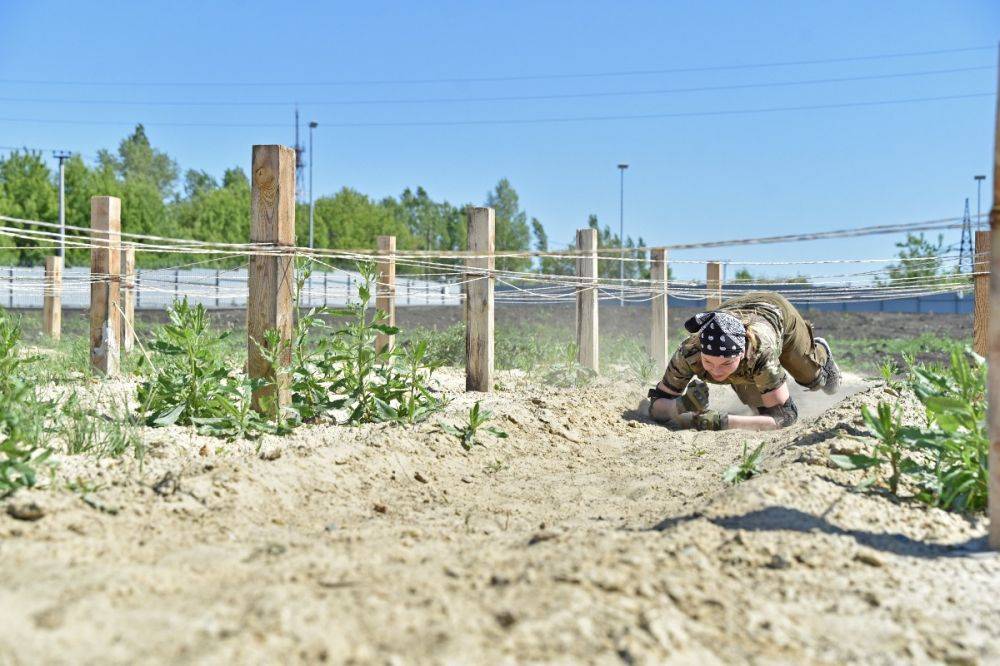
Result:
<point x="759" y="370"/>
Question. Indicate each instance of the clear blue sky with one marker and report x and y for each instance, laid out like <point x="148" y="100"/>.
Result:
<point x="691" y="177"/>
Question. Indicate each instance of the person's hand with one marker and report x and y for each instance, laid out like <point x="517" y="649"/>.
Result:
<point x="710" y="420"/>
<point x="695" y="398"/>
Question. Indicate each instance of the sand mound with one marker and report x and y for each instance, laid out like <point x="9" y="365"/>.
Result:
<point x="590" y="534"/>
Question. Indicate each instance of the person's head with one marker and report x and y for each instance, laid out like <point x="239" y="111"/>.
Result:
<point x="723" y="340"/>
<point x="720" y="367"/>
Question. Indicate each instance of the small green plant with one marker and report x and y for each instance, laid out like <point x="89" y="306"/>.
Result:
<point x="89" y="431"/>
<point x="467" y="433"/>
<point x="408" y="386"/>
<point x="747" y="468"/>
<point x="890" y="447"/>
<point x="568" y="373"/>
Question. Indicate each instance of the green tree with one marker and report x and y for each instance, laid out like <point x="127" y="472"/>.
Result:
<point x="27" y="191"/>
<point x="920" y="261"/>
<point x="512" y="232"/>
<point x="138" y="160"/>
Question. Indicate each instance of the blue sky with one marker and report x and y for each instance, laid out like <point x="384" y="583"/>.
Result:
<point x="692" y="178"/>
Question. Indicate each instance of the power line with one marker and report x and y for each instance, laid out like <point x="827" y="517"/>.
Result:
<point x="524" y="77"/>
<point x="518" y="121"/>
<point x="497" y="98"/>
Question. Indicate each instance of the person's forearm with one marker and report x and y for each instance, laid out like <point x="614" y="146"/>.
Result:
<point x="664" y="409"/>
<point x="734" y="422"/>
<point x="737" y="422"/>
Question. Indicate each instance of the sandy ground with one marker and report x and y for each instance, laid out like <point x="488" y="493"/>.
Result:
<point x="591" y="535"/>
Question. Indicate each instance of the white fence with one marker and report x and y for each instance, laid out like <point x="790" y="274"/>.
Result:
<point x="23" y="287"/>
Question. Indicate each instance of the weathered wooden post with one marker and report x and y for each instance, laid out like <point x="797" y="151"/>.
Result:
<point x="586" y="299"/>
<point x="479" y="301"/>
<point x="993" y="356"/>
<point x="105" y="291"/>
<point x="52" y="303"/>
<point x="981" y="294"/>
<point x="385" y="288"/>
<point x="658" y="286"/>
<point x="271" y="275"/>
<point x="713" y="285"/>
<point x="128" y="297"/>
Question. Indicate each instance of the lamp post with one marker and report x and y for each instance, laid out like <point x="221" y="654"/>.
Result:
<point x="621" y="232"/>
<point x="312" y="125"/>
<point x="979" y="200"/>
<point x="62" y="156"/>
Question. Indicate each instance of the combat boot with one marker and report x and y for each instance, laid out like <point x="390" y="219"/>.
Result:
<point x="830" y="369"/>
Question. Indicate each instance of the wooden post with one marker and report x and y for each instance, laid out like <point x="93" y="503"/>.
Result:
<point x="659" y="330"/>
<point x="128" y="297"/>
<point x="385" y="289"/>
<point x="713" y="284"/>
<point x="981" y="294"/>
<point x="271" y="277"/>
<point x="479" y="301"/>
<point x="52" y="304"/>
<point x="993" y="355"/>
<point x="586" y="299"/>
<point x="105" y="291"/>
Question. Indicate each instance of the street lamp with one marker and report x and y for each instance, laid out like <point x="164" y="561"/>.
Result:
<point x="621" y="232"/>
<point x="312" y="125"/>
<point x="62" y="156"/>
<point x="979" y="201"/>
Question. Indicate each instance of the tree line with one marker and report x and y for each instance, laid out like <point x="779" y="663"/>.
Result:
<point x="158" y="200"/>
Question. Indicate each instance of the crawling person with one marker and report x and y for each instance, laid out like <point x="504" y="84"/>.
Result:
<point x="749" y="343"/>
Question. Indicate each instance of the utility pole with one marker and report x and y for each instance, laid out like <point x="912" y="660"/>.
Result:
<point x="62" y="156"/>
<point x="621" y="232"/>
<point x="312" y="125"/>
<point x="979" y="200"/>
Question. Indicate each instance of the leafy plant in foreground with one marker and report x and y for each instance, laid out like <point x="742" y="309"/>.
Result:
<point x="947" y="459"/>
<point x="192" y="383"/>
<point x="467" y="432"/>
<point x="22" y="414"/>
<point x="747" y="468"/>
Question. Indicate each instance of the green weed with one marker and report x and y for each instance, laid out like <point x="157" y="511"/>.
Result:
<point x="467" y="432"/>
<point x="747" y="468"/>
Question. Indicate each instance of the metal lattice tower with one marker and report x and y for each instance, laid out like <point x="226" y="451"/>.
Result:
<point x="299" y="163"/>
<point x="966" y="254"/>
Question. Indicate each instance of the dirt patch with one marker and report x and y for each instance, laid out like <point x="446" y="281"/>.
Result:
<point x="590" y="535"/>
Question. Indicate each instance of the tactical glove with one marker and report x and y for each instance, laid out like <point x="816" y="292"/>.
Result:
<point x="695" y="398"/>
<point x="711" y="420"/>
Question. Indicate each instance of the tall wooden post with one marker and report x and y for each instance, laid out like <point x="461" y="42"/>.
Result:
<point x="128" y="297"/>
<point x="52" y="303"/>
<point x="993" y="356"/>
<point x="105" y="291"/>
<point x="713" y="284"/>
<point x="981" y="294"/>
<point x="271" y="276"/>
<point x="586" y="299"/>
<point x="658" y="342"/>
<point x="479" y="301"/>
<point x="385" y="289"/>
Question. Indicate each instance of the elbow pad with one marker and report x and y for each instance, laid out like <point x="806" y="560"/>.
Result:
<point x="784" y="415"/>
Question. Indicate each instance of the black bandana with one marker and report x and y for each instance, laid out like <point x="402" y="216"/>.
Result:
<point x="720" y="333"/>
